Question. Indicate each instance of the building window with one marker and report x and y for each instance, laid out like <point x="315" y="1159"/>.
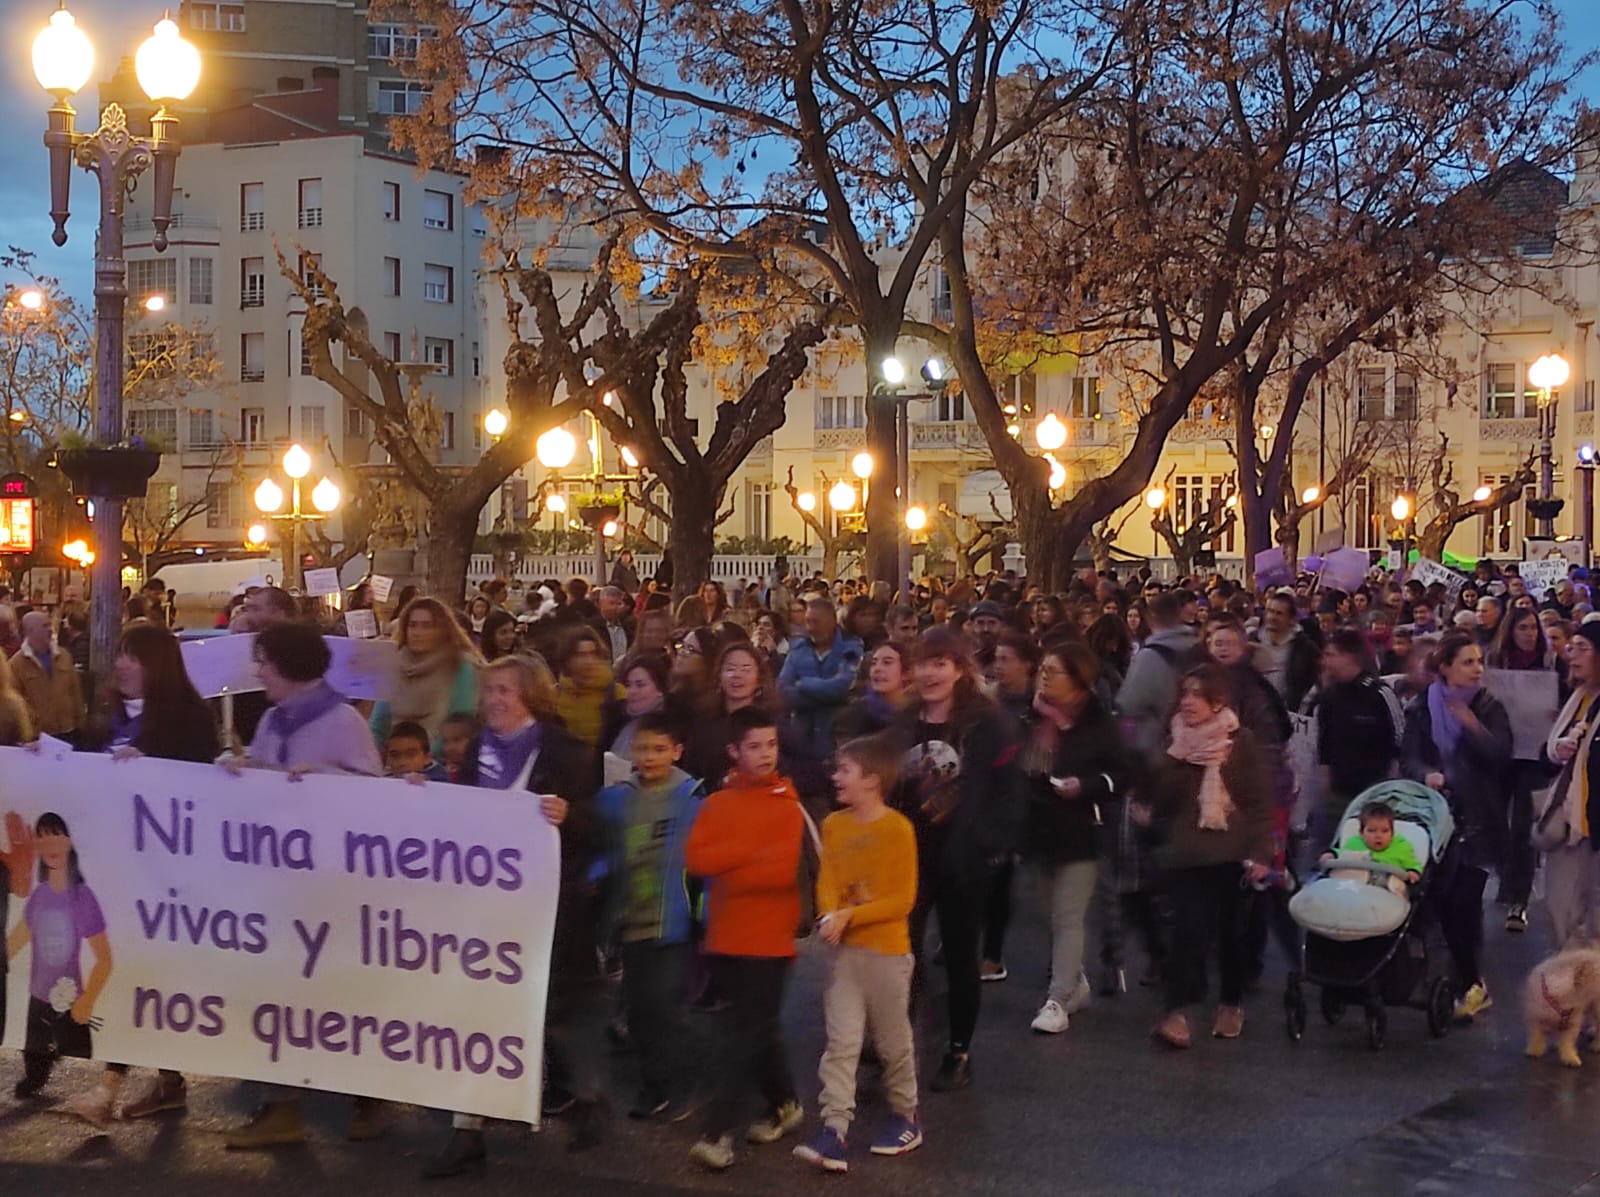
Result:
<point x="477" y="365"/>
<point x="447" y="431"/>
<point x="201" y="281"/>
<point x="391" y="346"/>
<point x="391" y="201"/>
<point x="219" y="505"/>
<point x="441" y="352"/>
<point x="159" y="423"/>
<point x="397" y="43"/>
<point x="217" y="16"/>
<point x="401" y="97"/>
<point x="948" y="409"/>
<point x="354" y="423"/>
<point x="438" y="284"/>
<point x="1586" y="396"/>
<point x="1018" y="394"/>
<point x="1500" y="391"/>
<point x="252" y="357"/>
<point x="1372" y="398"/>
<point x="841" y="411"/>
<point x="1083" y="401"/>
<point x="1405" y="396"/>
<point x="305" y="356"/>
<point x="941" y="295"/>
<point x="391" y="276"/>
<point x="438" y="210"/>
<point x="202" y="428"/>
<point x="311" y="203"/>
<point x="252" y="207"/>
<point x="158" y="276"/>
<point x="253" y="426"/>
<point x="758" y="509"/>
<point x="313" y="424"/>
<point x="152" y="356"/>
<point x="252" y="282"/>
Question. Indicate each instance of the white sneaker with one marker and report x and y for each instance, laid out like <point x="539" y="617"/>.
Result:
<point x="1052" y="1018"/>
<point x="1079" y="998"/>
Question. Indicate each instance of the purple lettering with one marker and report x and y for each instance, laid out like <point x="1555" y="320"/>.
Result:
<point x="393" y="1038"/>
<point x="330" y="1030"/>
<point x="473" y="953"/>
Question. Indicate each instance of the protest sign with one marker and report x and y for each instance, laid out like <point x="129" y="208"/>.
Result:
<point x="1428" y="572"/>
<point x="1301" y="752"/>
<point x="1540" y="576"/>
<point x="1344" y="569"/>
<point x="358" y="935"/>
<point x="381" y="586"/>
<point x="361" y="623"/>
<point x="1272" y="569"/>
<point x="1532" y="700"/>
<point x="225" y="665"/>
<point x="320" y="582"/>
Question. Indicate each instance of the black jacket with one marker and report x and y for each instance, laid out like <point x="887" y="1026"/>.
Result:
<point x="563" y="767"/>
<point x="1060" y="830"/>
<point x="1176" y="793"/>
<point x="1359" y="734"/>
<point x="1477" y="781"/>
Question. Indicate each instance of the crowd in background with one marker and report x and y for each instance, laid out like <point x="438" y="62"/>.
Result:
<point x="1127" y="741"/>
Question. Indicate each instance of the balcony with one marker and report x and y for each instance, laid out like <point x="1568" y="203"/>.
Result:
<point x="311" y="218"/>
<point x="180" y="220"/>
<point x="252" y="222"/>
<point x="253" y="374"/>
<point x="253" y="297"/>
<point x="956" y="436"/>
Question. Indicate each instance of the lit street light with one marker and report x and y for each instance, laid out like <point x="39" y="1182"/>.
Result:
<point x="1400" y="508"/>
<point x="842" y="497"/>
<point x="1547" y="373"/>
<point x="861" y="465"/>
<point x="31" y="299"/>
<point x="916" y="518"/>
<point x="1051" y="433"/>
<point x="167" y="68"/>
<point x="325" y="498"/>
<point x="556" y="449"/>
<point x="1311" y="494"/>
<point x="1481" y="495"/>
<point x="495" y="422"/>
<point x="806" y="501"/>
<point x="1155" y="498"/>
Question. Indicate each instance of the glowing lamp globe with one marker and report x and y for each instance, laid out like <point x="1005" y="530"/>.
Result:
<point x="1549" y="372"/>
<point x="892" y="369"/>
<point x="269" y="495"/>
<point x="556" y="449"/>
<point x="556" y="503"/>
<point x="325" y="496"/>
<point x="1311" y="494"/>
<point x="256" y="534"/>
<point x="1155" y="498"/>
<point x="31" y="300"/>
<point x="1481" y="495"/>
<point x="63" y="57"/>
<point x="296" y="462"/>
<point x="916" y="518"/>
<point x="167" y="66"/>
<point x="1058" y="475"/>
<point x="861" y="465"/>
<point x="630" y="458"/>
<point x="806" y="501"/>
<point x="1051" y="433"/>
<point x="842" y="497"/>
<point x="495" y="422"/>
<point x="1400" y="508"/>
<point x="933" y="371"/>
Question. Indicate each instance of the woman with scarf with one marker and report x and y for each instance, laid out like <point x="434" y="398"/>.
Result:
<point x="309" y="728"/>
<point x="524" y="748"/>
<point x="1564" y="828"/>
<point x="1213" y="806"/>
<point x="1076" y="772"/>
<point x="586" y="682"/>
<point x="887" y="692"/>
<point x="1458" y="741"/>
<point x="154" y="710"/>
<point x="437" y="675"/>
<point x="1519" y="643"/>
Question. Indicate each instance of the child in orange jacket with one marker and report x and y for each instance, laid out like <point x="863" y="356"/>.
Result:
<point x="746" y="844"/>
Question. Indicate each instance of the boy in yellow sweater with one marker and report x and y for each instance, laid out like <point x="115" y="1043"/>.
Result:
<point x="866" y="887"/>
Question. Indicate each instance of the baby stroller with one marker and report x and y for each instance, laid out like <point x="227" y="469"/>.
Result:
<point x="1365" y="943"/>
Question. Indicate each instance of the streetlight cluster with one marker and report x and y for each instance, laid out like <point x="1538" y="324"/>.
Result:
<point x="325" y="498"/>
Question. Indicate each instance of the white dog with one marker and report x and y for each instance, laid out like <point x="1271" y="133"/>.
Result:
<point x="1561" y="993"/>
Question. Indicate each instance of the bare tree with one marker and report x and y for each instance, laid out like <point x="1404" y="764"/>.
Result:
<point x="1450" y="510"/>
<point x="1187" y="538"/>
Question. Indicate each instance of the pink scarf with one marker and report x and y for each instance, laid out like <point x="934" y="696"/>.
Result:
<point x="1208" y="745"/>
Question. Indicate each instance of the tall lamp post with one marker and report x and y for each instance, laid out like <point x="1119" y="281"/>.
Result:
<point x="1548" y="373"/>
<point x="891" y="383"/>
<point x="1586" y="466"/>
<point x="325" y="498"/>
<point x="168" y="68"/>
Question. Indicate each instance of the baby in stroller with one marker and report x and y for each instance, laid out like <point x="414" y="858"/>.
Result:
<point x="1376" y="840"/>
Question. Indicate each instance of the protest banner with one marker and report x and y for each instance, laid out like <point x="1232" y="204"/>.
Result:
<point x="1345" y="569"/>
<point x="356" y="935"/>
<point x="1301" y="752"/>
<point x="225" y="665"/>
<point x="1428" y="572"/>
<point x="1540" y="576"/>
<point x="1272" y="569"/>
<point x="1532" y="700"/>
<point x="322" y="582"/>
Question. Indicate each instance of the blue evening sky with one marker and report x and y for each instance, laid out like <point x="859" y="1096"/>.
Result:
<point x="24" y="183"/>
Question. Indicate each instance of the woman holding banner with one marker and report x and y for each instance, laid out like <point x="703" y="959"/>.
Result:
<point x="310" y="728"/>
<point x="525" y="747"/>
<point x="152" y="709"/>
<point x="1519" y="644"/>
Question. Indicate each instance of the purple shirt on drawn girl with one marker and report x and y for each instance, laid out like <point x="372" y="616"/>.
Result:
<point x="58" y="925"/>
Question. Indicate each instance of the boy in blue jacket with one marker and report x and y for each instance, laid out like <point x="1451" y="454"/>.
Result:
<point x="649" y="911"/>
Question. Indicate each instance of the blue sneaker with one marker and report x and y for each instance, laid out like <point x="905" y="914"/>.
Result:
<point x="898" y="1136"/>
<point x="826" y="1151"/>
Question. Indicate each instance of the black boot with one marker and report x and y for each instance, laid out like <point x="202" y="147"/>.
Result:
<point x="591" y="1124"/>
<point x="36" y="1069"/>
<point x="955" y="1072"/>
<point x="464" y="1154"/>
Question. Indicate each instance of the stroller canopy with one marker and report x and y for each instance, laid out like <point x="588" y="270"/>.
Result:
<point x="1413" y="802"/>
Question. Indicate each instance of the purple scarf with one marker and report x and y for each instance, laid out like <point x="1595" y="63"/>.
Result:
<point x="501" y="758"/>
<point x="1447" y="728"/>
<point x="292" y="714"/>
<point x="125" y="728"/>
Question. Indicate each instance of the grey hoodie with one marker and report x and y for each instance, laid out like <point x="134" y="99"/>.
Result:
<point x="1151" y="687"/>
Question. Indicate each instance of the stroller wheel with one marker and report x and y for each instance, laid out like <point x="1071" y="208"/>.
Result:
<point x="1377" y="1027"/>
<point x="1333" y="1008"/>
<point x="1441" y="1008"/>
<point x="1294" y="1013"/>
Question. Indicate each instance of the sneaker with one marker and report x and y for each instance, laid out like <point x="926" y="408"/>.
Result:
<point x="898" y="1136"/>
<point x="651" y="1103"/>
<point x="1474" y="1002"/>
<point x="1079" y="998"/>
<point x="276" y="1124"/>
<point x="369" y="1119"/>
<point x="94" y="1107"/>
<point x="955" y="1072"/>
<point x="1229" y="1023"/>
<point x="162" y="1095"/>
<point x="826" y="1150"/>
<point x="777" y="1124"/>
<point x="993" y="970"/>
<point x="1052" y="1018"/>
<point x="1173" y="1030"/>
<point x="715" y="1154"/>
<point x="1517" y="918"/>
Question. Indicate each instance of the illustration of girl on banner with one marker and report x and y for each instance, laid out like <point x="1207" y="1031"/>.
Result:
<point x="59" y="917"/>
<point x="16" y="868"/>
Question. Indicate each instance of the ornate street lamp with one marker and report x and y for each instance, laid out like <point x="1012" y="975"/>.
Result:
<point x="1548" y="374"/>
<point x="325" y="498"/>
<point x="168" y="68"/>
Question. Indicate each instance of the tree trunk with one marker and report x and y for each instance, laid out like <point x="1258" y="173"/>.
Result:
<point x="1035" y="520"/>
<point x="691" y="538"/>
<point x="452" y="527"/>
<point x="1257" y="512"/>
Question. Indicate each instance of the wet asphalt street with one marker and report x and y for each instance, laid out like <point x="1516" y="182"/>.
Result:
<point x="1096" y="1112"/>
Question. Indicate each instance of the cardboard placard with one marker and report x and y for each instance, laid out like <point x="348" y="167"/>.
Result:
<point x="381" y="586"/>
<point x="1428" y="572"/>
<point x="362" y="624"/>
<point x="322" y="582"/>
<point x="1540" y="576"/>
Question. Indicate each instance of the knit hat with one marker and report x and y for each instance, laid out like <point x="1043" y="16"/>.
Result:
<point x="1589" y="629"/>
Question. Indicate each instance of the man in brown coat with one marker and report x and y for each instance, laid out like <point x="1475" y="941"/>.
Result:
<point x="48" y="680"/>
